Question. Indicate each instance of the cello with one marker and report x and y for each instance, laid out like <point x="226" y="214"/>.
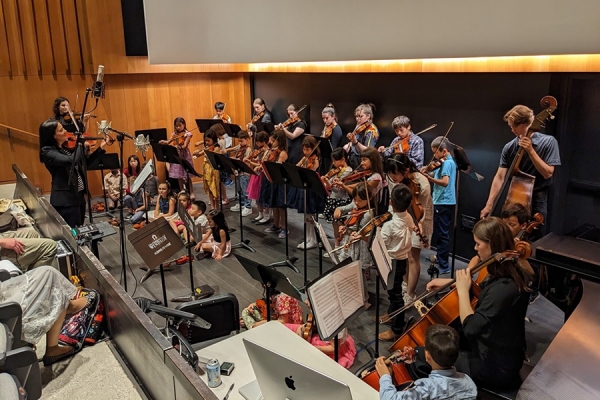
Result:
<point x="520" y="184"/>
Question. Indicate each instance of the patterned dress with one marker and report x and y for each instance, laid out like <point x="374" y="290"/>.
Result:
<point x="176" y="171"/>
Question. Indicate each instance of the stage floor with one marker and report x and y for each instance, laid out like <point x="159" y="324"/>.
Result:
<point x="228" y="276"/>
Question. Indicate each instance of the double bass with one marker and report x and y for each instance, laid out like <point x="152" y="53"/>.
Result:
<point x="520" y="184"/>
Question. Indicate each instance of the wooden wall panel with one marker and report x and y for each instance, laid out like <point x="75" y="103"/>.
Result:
<point x="13" y="32"/>
<point x="57" y="37"/>
<point x="5" y="68"/>
<point x="44" y="44"/>
<point x="27" y="24"/>
<point x="72" y="36"/>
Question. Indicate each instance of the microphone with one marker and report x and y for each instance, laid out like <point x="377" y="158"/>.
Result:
<point x="98" y="87"/>
<point x="142" y="143"/>
<point x="104" y="127"/>
<point x="433" y="259"/>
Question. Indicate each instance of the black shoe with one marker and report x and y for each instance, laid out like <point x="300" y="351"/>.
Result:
<point x="534" y="296"/>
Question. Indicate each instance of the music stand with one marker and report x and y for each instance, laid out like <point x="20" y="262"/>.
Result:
<point x="108" y="161"/>
<point x="271" y="279"/>
<point x="154" y="136"/>
<point x="155" y="243"/>
<point x="205" y="124"/>
<point x="219" y="163"/>
<point x="240" y="167"/>
<point x="276" y="173"/>
<point x="140" y="183"/>
<point x="462" y="165"/>
<point x="189" y="170"/>
<point x="306" y="180"/>
<point x="382" y="261"/>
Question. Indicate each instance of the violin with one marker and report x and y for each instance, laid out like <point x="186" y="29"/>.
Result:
<point x="327" y="131"/>
<point x="179" y="139"/>
<point x="77" y="116"/>
<point x="358" y="130"/>
<point x="240" y="151"/>
<point x="257" y="153"/>
<point x="434" y="164"/>
<point x="398" y="360"/>
<point x="309" y="162"/>
<point x="292" y="120"/>
<point x="257" y="117"/>
<point x="416" y="209"/>
<point x="375" y="222"/>
<point x="71" y="142"/>
<point x="401" y="146"/>
<point x="308" y="327"/>
<point x="358" y="175"/>
<point x="225" y="118"/>
<point x="273" y="155"/>
<point x="200" y="153"/>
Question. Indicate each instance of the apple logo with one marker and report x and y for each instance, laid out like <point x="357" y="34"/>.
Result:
<point x="290" y="383"/>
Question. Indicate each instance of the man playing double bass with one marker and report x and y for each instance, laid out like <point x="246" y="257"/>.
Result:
<point x="541" y="156"/>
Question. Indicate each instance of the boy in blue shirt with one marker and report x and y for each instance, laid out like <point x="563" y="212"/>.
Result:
<point x="443" y="179"/>
<point x="442" y="346"/>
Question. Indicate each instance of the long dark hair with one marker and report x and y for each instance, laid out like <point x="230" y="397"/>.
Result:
<point x="56" y="106"/>
<point x="46" y="133"/>
<point x="177" y="121"/>
<point x="373" y="156"/>
<point x="219" y="219"/>
<point x="497" y="233"/>
<point x="129" y="169"/>
<point x="399" y="164"/>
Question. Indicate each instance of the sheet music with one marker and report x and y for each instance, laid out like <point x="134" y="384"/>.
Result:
<point x="335" y="297"/>
<point x="142" y="177"/>
<point x="382" y="259"/>
<point x="326" y="243"/>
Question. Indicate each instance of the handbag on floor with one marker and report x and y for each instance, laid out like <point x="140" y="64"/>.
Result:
<point x="76" y="327"/>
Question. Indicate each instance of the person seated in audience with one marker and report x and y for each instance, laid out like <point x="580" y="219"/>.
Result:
<point x="176" y="223"/>
<point x="133" y="167"/>
<point x="111" y="187"/>
<point x="165" y="205"/>
<point x="45" y="297"/>
<point x="151" y="188"/>
<point x="217" y="240"/>
<point x="27" y="249"/>
<point x="442" y="347"/>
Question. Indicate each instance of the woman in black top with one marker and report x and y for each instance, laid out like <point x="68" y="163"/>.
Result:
<point x="259" y="106"/>
<point x="60" y="111"/>
<point x="294" y="135"/>
<point x="68" y="200"/>
<point x="495" y="329"/>
<point x="333" y="132"/>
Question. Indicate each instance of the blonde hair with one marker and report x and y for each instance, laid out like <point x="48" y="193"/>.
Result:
<point x="519" y="115"/>
<point x="367" y="109"/>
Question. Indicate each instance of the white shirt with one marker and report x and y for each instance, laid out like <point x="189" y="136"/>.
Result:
<point x="202" y="222"/>
<point x="397" y="235"/>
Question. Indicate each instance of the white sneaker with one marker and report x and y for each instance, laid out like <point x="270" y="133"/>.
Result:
<point x="235" y="208"/>
<point x="264" y="220"/>
<point x="404" y="288"/>
<point x="408" y="299"/>
<point x="246" y="211"/>
<point x="310" y="246"/>
<point x="325" y="254"/>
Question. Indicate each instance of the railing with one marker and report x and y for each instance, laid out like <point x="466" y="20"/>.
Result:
<point x="12" y="130"/>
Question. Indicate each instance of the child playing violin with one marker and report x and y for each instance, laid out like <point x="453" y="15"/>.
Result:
<point x="314" y="202"/>
<point x="272" y="194"/>
<point x="358" y="215"/>
<point x="253" y="161"/>
<point x="210" y="177"/>
<point x="442" y="347"/>
<point x="241" y="152"/>
<point x="338" y="197"/>
<point x="180" y="139"/>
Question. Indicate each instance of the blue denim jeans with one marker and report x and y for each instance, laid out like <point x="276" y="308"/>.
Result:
<point x="243" y="181"/>
<point x="442" y="223"/>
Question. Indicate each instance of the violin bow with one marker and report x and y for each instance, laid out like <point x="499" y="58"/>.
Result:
<point x="442" y="141"/>
<point x="416" y="134"/>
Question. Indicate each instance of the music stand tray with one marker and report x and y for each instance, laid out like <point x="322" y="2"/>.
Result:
<point x="205" y="124"/>
<point x="154" y="135"/>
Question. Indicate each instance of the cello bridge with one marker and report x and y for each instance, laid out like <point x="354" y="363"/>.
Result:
<point x="422" y="309"/>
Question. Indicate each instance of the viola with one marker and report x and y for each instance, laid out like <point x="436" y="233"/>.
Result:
<point x="71" y="142"/>
<point x="397" y="360"/>
<point x="308" y="327"/>
<point x="273" y="155"/>
<point x="225" y="118"/>
<point x="416" y="209"/>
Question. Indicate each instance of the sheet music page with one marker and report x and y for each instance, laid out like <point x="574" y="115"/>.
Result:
<point x="326" y="243"/>
<point x="326" y="305"/>
<point x="349" y="288"/>
<point x="142" y="177"/>
<point x="382" y="258"/>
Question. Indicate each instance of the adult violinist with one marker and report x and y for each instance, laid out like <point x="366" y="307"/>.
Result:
<point x="495" y="329"/>
<point x="61" y="109"/>
<point x="365" y="134"/>
<point x="405" y="142"/>
<point x="541" y="156"/>
<point x="68" y="200"/>
<point x="261" y="113"/>
<point x="293" y="128"/>
<point x="331" y="131"/>
<point x="401" y="169"/>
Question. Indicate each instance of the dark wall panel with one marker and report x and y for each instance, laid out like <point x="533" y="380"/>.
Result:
<point x="475" y="102"/>
<point x="134" y="27"/>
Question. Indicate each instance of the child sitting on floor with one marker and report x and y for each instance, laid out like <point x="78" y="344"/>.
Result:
<point x="216" y="241"/>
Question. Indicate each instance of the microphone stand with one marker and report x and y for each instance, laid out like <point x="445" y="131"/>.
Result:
<point x="122" y="245"/>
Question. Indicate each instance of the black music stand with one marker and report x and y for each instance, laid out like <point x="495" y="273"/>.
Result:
<point x="271" y="279"/>
<point x="189" y="171"/>
<point x="205" y="124"/>
<point x="154" y="136"/>
<point x="306" y="180"/>
<point x="108" y="161"/>
<point x="277" y="173"/>
<point x="219" y="163"/>
<point x="155" y="243"/>
<point x="239" y="167"/>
